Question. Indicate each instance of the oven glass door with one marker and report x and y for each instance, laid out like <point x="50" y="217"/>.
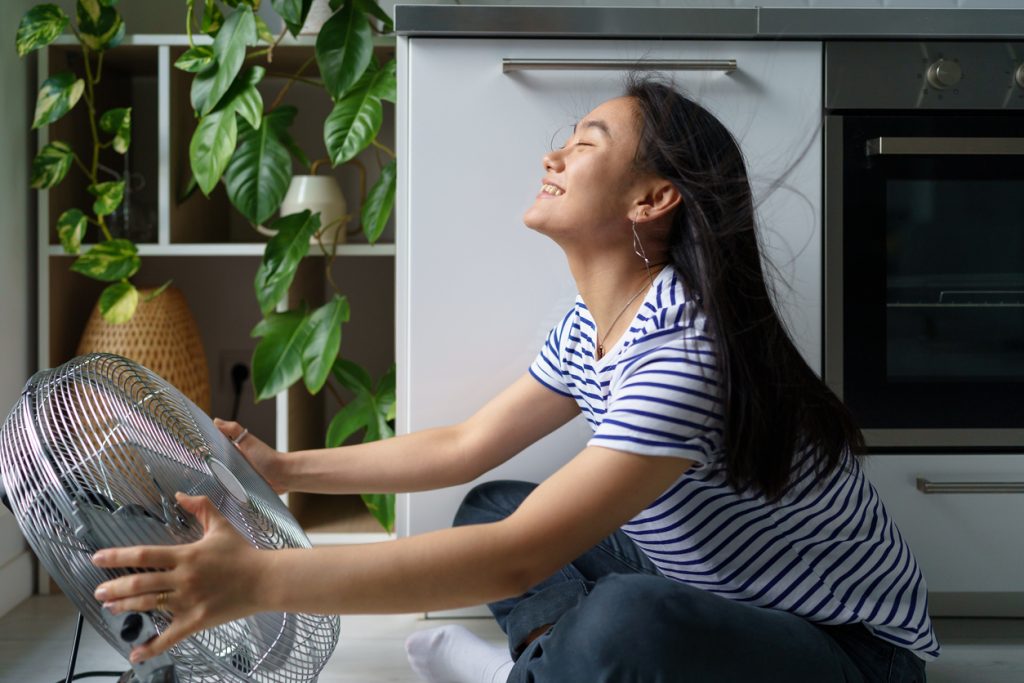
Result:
<point x="933" y="271"/>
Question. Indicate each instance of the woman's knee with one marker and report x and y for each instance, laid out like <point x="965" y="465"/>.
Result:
<point x="491" y="501"/>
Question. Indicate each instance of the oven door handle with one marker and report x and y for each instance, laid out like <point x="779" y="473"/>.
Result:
<point x="509" y="65"/>
<point x="925" y="486"/>
<point x="945" y="146"/>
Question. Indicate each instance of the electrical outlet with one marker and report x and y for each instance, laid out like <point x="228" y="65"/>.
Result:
<point x="226" y="360"/>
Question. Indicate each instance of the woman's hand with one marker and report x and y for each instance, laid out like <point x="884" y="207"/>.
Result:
<point x="268" y="462"/>
<point x="202" y="584"/>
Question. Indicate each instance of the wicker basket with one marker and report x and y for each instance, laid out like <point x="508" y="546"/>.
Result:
<point x="162" y="336"/>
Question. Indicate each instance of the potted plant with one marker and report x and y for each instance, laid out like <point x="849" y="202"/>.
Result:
<point x="244" y="143"/>
<point x="113" y="260"/>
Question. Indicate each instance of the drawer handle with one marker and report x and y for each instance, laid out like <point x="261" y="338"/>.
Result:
<point x="725" y="65"/>
<point x="925" y="486"/>
<point x="945" y="146"/>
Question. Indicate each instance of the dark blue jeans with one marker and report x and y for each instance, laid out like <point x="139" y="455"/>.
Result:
<point x="615" y="619"/>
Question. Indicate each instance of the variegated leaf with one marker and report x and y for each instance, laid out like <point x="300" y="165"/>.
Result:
<point x="108" y="196"/>
<point x="58" y="94"/>
<point x="195" y="59"/>
<point x="39" y="27"/>
<point x="119" y="122"/>
<point x="109" y="261"/>
<point x="71" y="227"/>
<point x="118" y="302"/>
<point x="99" y="25"/>
<point x="51" y="164"/>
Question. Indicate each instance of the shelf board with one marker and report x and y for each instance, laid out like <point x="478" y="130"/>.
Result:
<point x="181" y="40"/>
<point x="236" y="249"/>
<point x="322" y="538"/>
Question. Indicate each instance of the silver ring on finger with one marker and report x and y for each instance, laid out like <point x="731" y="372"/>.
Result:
<point x="241" y="435"/>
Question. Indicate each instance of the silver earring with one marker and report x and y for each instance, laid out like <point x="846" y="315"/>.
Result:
<point x="638" y="249"/>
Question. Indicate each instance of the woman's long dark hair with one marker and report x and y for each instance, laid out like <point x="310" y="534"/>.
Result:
<point x="775" y="406"/>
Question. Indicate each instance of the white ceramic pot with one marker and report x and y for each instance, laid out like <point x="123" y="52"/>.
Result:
<point x="319" y="12"/>
<point x="319" y="194"/>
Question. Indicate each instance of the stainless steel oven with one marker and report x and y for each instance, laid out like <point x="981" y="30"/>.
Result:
<point x="924" y="241"/>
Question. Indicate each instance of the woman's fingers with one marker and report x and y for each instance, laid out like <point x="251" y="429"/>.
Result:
<point x="132" y="586"/>
<point x="140" y="557"/>
<point x="177" y="630"/>
<point x="148" y="602"/>
<point x="203" y="509"/>
<point x="229" y="429"/>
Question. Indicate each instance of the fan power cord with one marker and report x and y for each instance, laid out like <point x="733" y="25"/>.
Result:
<point x="94" y="674"/>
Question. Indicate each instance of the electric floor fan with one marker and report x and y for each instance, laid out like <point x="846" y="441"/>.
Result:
<point x="91" y="457"/>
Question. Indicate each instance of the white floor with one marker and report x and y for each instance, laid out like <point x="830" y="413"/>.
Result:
<point x="35" y="639"/>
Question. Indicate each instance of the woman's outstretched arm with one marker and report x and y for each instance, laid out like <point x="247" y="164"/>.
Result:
<point x="221" y="577"/>
<point x="429" y="459"/>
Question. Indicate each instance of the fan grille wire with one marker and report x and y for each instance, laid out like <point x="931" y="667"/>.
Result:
<point x="91" y="457"/>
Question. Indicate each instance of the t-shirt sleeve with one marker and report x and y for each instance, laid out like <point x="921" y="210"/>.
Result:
<point x="547" y="367"/>
<point x="665" y="400"/>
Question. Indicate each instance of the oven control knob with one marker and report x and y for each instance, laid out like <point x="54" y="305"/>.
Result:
<point x="943" y="74"/>
<point x="1019" y="76"/>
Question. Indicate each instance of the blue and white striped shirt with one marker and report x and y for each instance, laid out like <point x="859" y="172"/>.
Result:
<point x="829" y="553"/>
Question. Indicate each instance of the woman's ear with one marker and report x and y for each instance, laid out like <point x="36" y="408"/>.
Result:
<point x="661" y="199"/>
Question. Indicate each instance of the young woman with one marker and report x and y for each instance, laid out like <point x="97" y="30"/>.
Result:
<point x="717" y="527"/>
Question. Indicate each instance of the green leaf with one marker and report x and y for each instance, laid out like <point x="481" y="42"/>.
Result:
<point x="195" y="59"/>
<point x="323" y="342"/>
<point x="118" y="302"/>
<point x="277" y="359"/>
<point x="351" y="376"/>
<point x="355" y="415"/>
<point x="229" y="46"/>
<point x="244" y="98"/>
<point x="386" y="397"/>
<point x="211" y="148"/>
<point x="282" y="256"/>
<point x="344" y="47"/>
<point x="108" y="196"/>
<point x="71" y="227"/>
<point x="380" y="82"/>
<point x="259" y="173"/>
<point x="212" y="20"/>
<point x="263" y="31"/>
<point x="109" y="261"/>
<point x="379" y="202"/>
<point x="280" y="120"/>
<point x="99" y="25"/>
<point x="51" y="164"/>
<point x="382" y="507"/>
<point x="292" y="12"/>
<point x="58" y="94"/>
<point x="372" y="8"/>
<point x="39" y="27"/>
<point x="352" y="124"/>
<point x="118" y="122"/>
<point x="158" y="291"/>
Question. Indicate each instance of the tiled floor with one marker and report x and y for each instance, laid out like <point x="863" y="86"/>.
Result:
<point x="36" y="636"/>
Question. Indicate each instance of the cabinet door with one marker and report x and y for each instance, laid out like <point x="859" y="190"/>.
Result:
<point x="966" y="540"/>
<point x="478" y="291"/>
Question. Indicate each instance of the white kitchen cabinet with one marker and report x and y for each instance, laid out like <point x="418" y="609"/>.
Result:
<point x="967" y="544"/>
<point x="477" y="291"/>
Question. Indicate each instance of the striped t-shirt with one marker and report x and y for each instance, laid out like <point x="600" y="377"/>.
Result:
<point x="828" y="553"/>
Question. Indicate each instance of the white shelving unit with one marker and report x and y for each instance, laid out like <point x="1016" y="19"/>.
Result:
<point x="207" y="248"/>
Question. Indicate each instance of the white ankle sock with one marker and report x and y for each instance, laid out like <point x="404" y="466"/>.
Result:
<point x="451" y="654"/>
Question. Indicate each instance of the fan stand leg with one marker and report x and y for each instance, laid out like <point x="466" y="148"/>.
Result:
<point x="74" y="650"/>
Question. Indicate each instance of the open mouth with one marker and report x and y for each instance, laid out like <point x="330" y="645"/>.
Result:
<point x="552" y="190"/>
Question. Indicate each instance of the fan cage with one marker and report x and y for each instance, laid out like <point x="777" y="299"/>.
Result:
<point x="91" y="456"/>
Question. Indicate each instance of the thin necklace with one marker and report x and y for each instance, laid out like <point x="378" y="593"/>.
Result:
<point x="600" y="346"/>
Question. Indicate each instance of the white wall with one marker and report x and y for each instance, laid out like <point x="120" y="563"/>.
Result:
<point x="17" y="275"/>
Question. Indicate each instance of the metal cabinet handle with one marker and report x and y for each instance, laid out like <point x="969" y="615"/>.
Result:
<point x="925" y="486"/>
<point x="945" y="146"/>
<point x="725" y="65"/>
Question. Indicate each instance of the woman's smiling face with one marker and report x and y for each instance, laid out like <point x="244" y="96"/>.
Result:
<point x="588" y="182"/>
